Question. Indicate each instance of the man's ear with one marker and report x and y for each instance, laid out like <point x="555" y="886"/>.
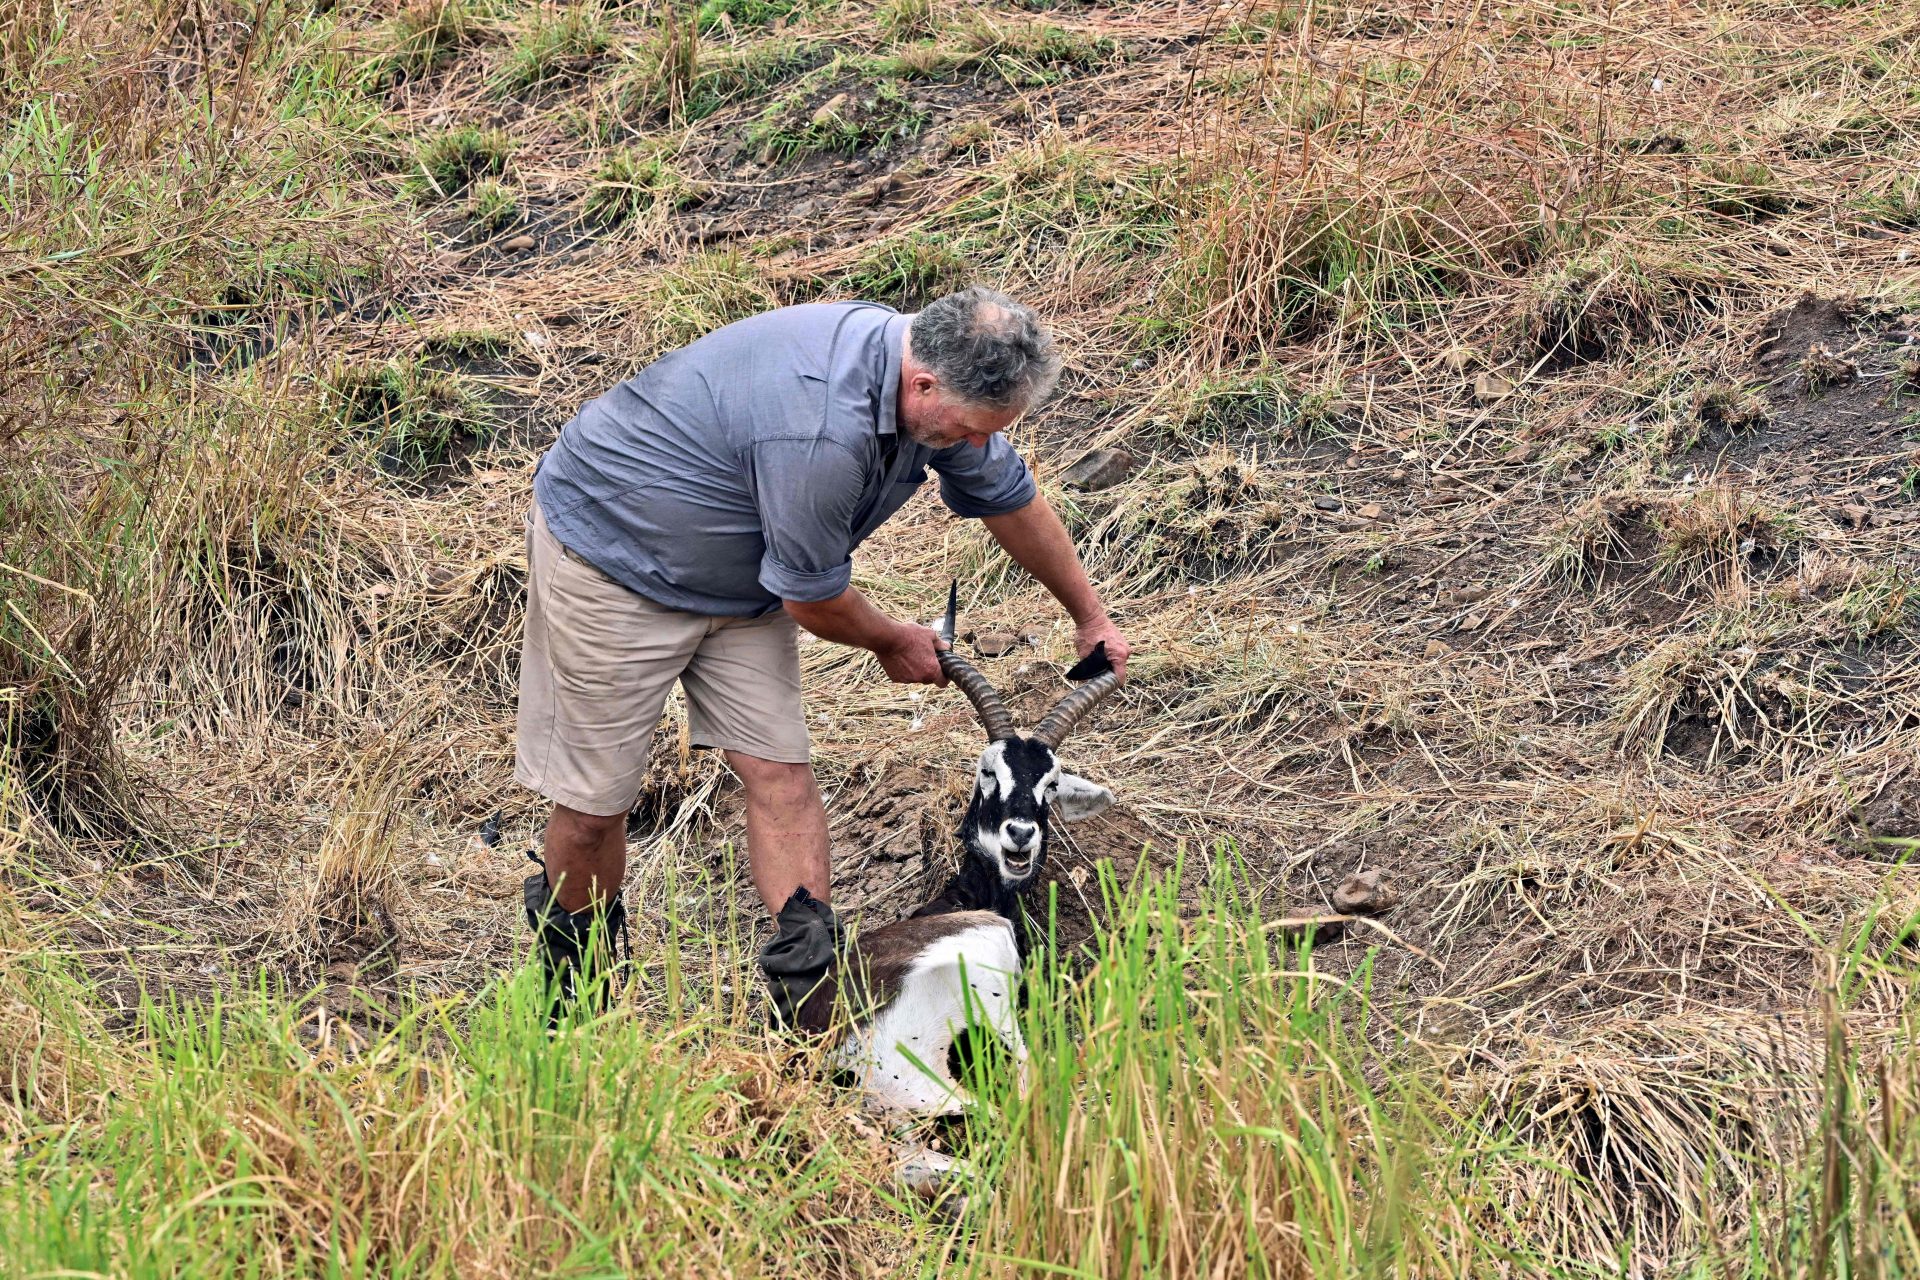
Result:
<point x="1078" y="798"/>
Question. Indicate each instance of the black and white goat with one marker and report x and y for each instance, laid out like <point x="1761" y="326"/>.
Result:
<point x="952" y="969"/>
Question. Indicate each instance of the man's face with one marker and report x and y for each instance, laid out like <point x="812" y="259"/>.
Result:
<point x="932" y="418"/>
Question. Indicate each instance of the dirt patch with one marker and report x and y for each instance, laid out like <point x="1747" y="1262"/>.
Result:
<point x="1838" y="376"/>
<point x="1071" y="879"/>
<point x="1599" y="310"/>
<point x="1893" y="812"/>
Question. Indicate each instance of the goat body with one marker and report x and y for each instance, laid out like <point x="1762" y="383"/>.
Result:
<point x="959" y="977"/>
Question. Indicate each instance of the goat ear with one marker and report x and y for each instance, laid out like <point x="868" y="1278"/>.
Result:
<point x="1078" y="798"/>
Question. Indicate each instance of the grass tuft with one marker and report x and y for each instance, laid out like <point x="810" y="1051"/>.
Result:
<point x="631" y="182"/>
<point x="446" y="164"/>
<point x="423" y="36"/>
<point x="1735" y="410"/>
<point x="907" y="271"/>
<point x="558" y="45"/>
<point x="492" y="205"/>
<point x="749" y="13"/>
<point x="411" y="417"/>
<point x="1023" y="54"/>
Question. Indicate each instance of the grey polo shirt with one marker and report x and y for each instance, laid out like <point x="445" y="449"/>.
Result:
<point x="742" y="470"/>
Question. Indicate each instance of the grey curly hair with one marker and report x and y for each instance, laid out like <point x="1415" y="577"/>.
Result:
<point x="987" y="349"/>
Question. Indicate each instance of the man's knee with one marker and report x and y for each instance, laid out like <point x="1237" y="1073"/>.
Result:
<point x="772" y="777"/>
<point x="582" y="830"/>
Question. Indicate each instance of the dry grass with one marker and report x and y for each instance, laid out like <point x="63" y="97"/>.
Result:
<point x="1469" y="538"/>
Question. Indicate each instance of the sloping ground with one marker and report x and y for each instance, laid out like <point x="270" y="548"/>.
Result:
<point x="1521" y="424"/>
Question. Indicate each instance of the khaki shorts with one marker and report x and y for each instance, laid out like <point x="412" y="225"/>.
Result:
<point x="596" y="668"/>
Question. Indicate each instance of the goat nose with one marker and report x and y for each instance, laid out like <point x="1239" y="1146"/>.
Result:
<point x="1021" y="834"/>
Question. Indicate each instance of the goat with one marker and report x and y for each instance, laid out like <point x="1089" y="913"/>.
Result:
<point x="916" y="986"/>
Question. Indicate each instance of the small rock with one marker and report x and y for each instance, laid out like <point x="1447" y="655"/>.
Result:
<point x="1437" y="649"/>
<point x="1372" y="511"/>
<point x="519" y="244"/>
<point x="1099" y="469"/>
<point x="995" y="644"/>
<point x="1856" y="516"/>
<point x="830" y="110"/>
<point x="1491" y="388"/>
<point x="1363" y="894"/>
<point x="1398" y="475"/>
<point x="1467" y="595"/>
<point x="1473" y="622"/>
<point x="1458" y="359"/>
<point x="1327" y="503"/>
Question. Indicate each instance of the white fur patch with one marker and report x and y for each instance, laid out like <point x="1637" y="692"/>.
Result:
<point x="900" y="1057"/>
<point x="996" y="776"/>
<point x="1046" y="784"/>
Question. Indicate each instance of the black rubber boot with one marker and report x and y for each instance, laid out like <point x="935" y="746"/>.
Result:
<point x="575" y="946"/>
<point x="797" y="960"/>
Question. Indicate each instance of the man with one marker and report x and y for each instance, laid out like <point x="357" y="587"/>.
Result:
<point x="688" y="519"/>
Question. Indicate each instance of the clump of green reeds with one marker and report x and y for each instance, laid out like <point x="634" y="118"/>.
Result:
<point x="1202" y="1102"/>
<point x="410" y="415"/>
<point x="908" y="270"/>
<point x="423" y="35"/>
<point x="447" y="163"/>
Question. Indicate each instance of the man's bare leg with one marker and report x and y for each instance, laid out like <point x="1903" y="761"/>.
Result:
<point x="786" y="829"/>
<point x="586" y="856"/>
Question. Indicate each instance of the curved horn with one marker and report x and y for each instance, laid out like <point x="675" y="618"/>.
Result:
<point x="1073" y="708"/>
<point x="986" y="700"/>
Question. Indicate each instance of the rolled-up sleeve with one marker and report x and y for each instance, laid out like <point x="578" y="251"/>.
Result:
<point x="807" y="492"/>
<point x="989" y="481"/>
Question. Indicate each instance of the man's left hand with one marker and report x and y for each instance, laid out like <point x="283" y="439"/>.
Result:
<point x="1093" y="631"/>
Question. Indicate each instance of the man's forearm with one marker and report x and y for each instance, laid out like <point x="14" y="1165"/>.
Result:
<point x="1038" y="543"/>
<point x="910" y="654"/>
<point x="848" y="618"/>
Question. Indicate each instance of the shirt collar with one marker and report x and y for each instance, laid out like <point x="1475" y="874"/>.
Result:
<point x="891" y="335"/>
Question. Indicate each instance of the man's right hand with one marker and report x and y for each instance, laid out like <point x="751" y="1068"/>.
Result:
<point x="906" y="651"/>
<point x="910" y="656"/>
